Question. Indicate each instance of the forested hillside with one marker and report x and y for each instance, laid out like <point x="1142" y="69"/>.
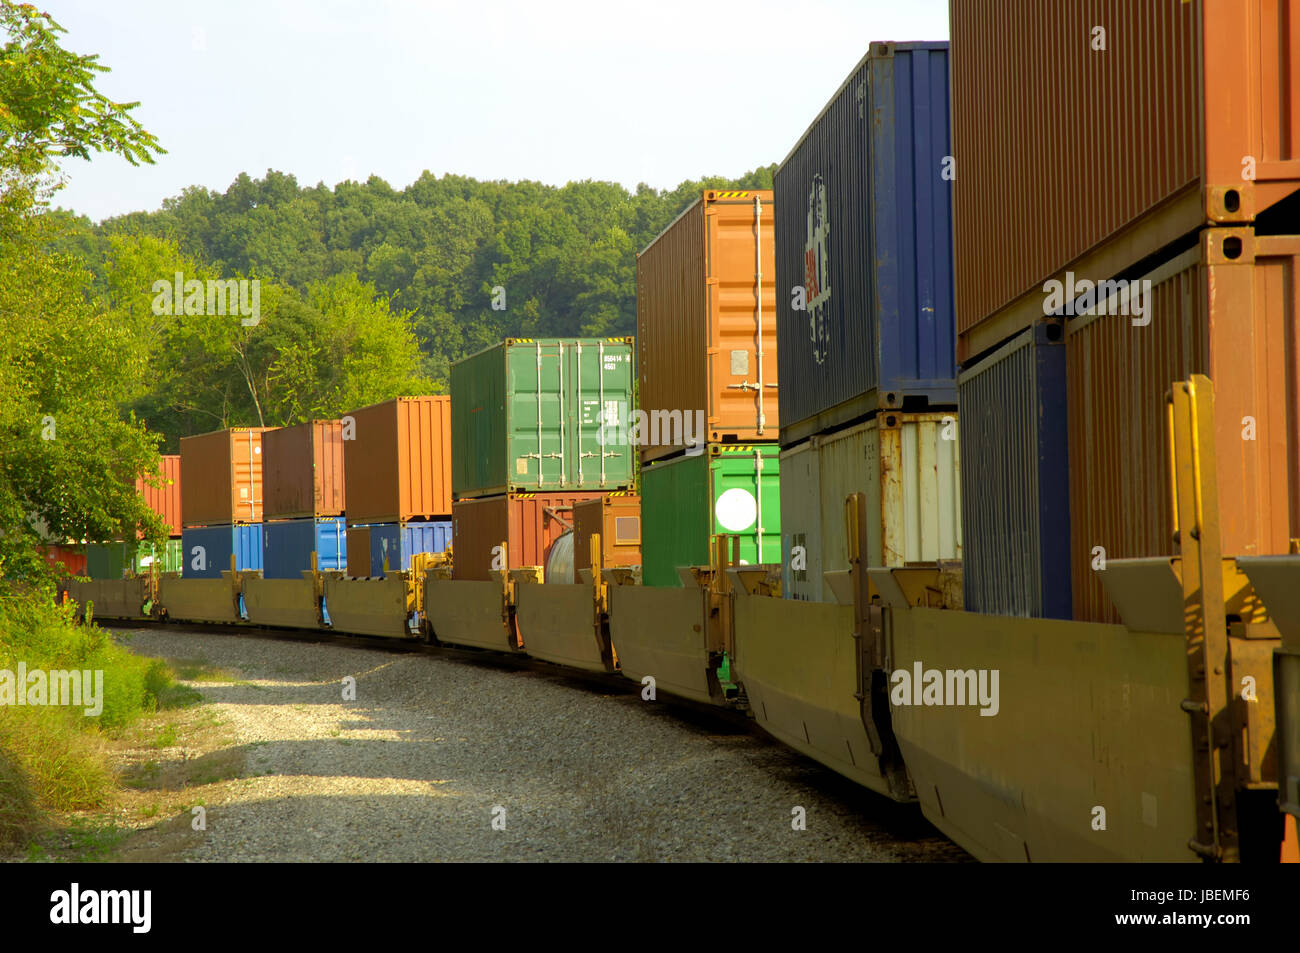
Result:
<point x="367" y="291"/>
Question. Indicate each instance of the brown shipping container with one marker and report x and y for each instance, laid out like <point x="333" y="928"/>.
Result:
<point x="617" y="518"/>
<point x="303" y="470"/>
<point x="221" y="477"/>
<point x="359" y="551"/>
<point x="1233" y="318"/>
<point x="165" y="500"/>
<point x="698" y="312"/>
<point x="1078" y="158"/>
<point x="519" y="519"/>
<point x="398" y="460"/>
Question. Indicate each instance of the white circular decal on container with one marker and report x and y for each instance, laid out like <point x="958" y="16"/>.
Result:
<point x="736" y="510"/>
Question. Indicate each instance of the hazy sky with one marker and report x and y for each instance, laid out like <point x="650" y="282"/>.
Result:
<point x="329" y="90"/>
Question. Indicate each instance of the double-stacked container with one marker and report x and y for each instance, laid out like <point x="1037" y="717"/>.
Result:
<point x="1167" y="247"/>
<point x="162" y="494"/>
<point x="708" y="384"/>
<point x="222" y="507"/>
<point x="865" y="327"/>
<point x="537" y="425"/>
<point x="305" y="499"/>
<point x="397" y="459"/>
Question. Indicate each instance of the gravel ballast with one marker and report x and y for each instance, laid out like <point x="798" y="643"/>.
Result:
<point x="449" y="758"/>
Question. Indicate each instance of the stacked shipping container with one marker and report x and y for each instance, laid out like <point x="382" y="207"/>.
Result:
<point x="162" y="494"/>
<point x="866" y="338"/>
<point x="707" y="368"/>
<point x="221" y="501"/>
<point x="538" y="425"/>
<point x="304" y="487"/>
<point x="1159" y="249"/>
<point x="397" y="457"/>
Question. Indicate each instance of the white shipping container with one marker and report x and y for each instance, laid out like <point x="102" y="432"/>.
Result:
<point x="909" y="468"/>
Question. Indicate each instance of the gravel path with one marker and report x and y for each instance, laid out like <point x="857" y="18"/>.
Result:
<point x="434" y="749"/>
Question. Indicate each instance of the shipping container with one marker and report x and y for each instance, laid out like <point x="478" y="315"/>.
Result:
<point x="207" y="549"/>
<point x="392" y="544"/>
<point x="164" y="497"/>
<point x="302" y="470"/>
<point x="397" y="460"/>
<point x="528" y="523"/>
<point x="287" y="546"/>
<point x="706" y="324"/>
<point x="221" y="477"/>
<point x="908" y="466"/>
<point x="106" y="560"/>
<point x="617" y="518"/>
<point x="1228" y="309"/>
<point x="732" y="489"/>
<point x="117" y="559"/>
<point x="542" y="415"/>
<point x="71" y="558"/>
<point x="358" y="544"/>
<point x="864" y="236"/>
<point x="1015" y="477"/>
<point x="1187" y="113"/>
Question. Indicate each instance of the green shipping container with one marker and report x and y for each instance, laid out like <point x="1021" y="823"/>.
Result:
<point x="539" y="414"/>
<point x="733" y="489"/>
<point x="110" y="560"/>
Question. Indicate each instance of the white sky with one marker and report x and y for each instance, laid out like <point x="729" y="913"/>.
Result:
<point x="328" y="90"/>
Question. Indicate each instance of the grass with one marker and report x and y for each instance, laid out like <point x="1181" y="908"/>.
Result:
<point x="53" y="759"/>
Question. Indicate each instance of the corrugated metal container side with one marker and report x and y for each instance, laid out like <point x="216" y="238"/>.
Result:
<point x="398" y="460"/>
<point x="541" y="415"/>
<point x="699" y="307"/>
<point x="908" y="466"/>
<point x="1168" y="137"/>
<point x="106" y="560"/>
<point x="521" y="520"/>
<point x="221" y="477"/>
<point x="1015" y="478"/>
<point x="358" y="544"/>
<point x="617" y="518"/>
<point x="117" y="559"/>
<point x="392" y="544"/>
<point x="1228" y="309"/>
<point x="71" y="558"/>
<point x="208" y="549"/>
<point x="732" y="489"/>
<point x="287" y="546"/>
<point x="864" y="226"/>
<point x="165" y="498"/>
<point x="170" y="558"/>
<point x="303" y="470"/>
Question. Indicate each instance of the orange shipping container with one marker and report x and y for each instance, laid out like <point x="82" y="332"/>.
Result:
<point x="165" y="499"/>
<point x="1091" y="134"/>
<point x="303" y="470"/>
<point x="617" y="518"/>
<point x="397" y="460"/>
<point x="700" y="304"/>
<point x="1228" y="309"/>
<point x="221" y="477"/>
<point x="527" y="522"/>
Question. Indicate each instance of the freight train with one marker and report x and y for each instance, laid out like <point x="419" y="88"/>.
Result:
<point x="1074" y="634"/>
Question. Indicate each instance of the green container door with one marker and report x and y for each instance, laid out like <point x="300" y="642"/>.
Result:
<point x="113" y="560"/>
<point x="168" y="557"/>
<point x="105" y="560"/>
<point x="723" y="490"/>
<point x="535" y="415"/>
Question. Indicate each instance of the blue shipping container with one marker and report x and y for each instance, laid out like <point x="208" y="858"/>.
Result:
<point x="207" y="549"/>
<point x="397" y="542"/>
<point x="864" y="226"/>
<point x="287" y="546"/>
<point x="1015" y="500"/>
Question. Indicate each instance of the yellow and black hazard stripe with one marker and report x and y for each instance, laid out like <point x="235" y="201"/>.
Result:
<point x="731" y="195"/>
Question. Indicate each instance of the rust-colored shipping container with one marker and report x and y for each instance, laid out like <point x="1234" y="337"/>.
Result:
<point x="397" y="460"/>
<point x="302" y="470"/>
<point x="704" y="289"/>
<point x="1089" y="135"/>
<point x="221" y="477"/>
<point x="617" y="518"/>
<point x="165" y="499"/>
<point x="527" y="522"/>
<point x="1228" y="309"/>
<point x="358" y="549"/>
